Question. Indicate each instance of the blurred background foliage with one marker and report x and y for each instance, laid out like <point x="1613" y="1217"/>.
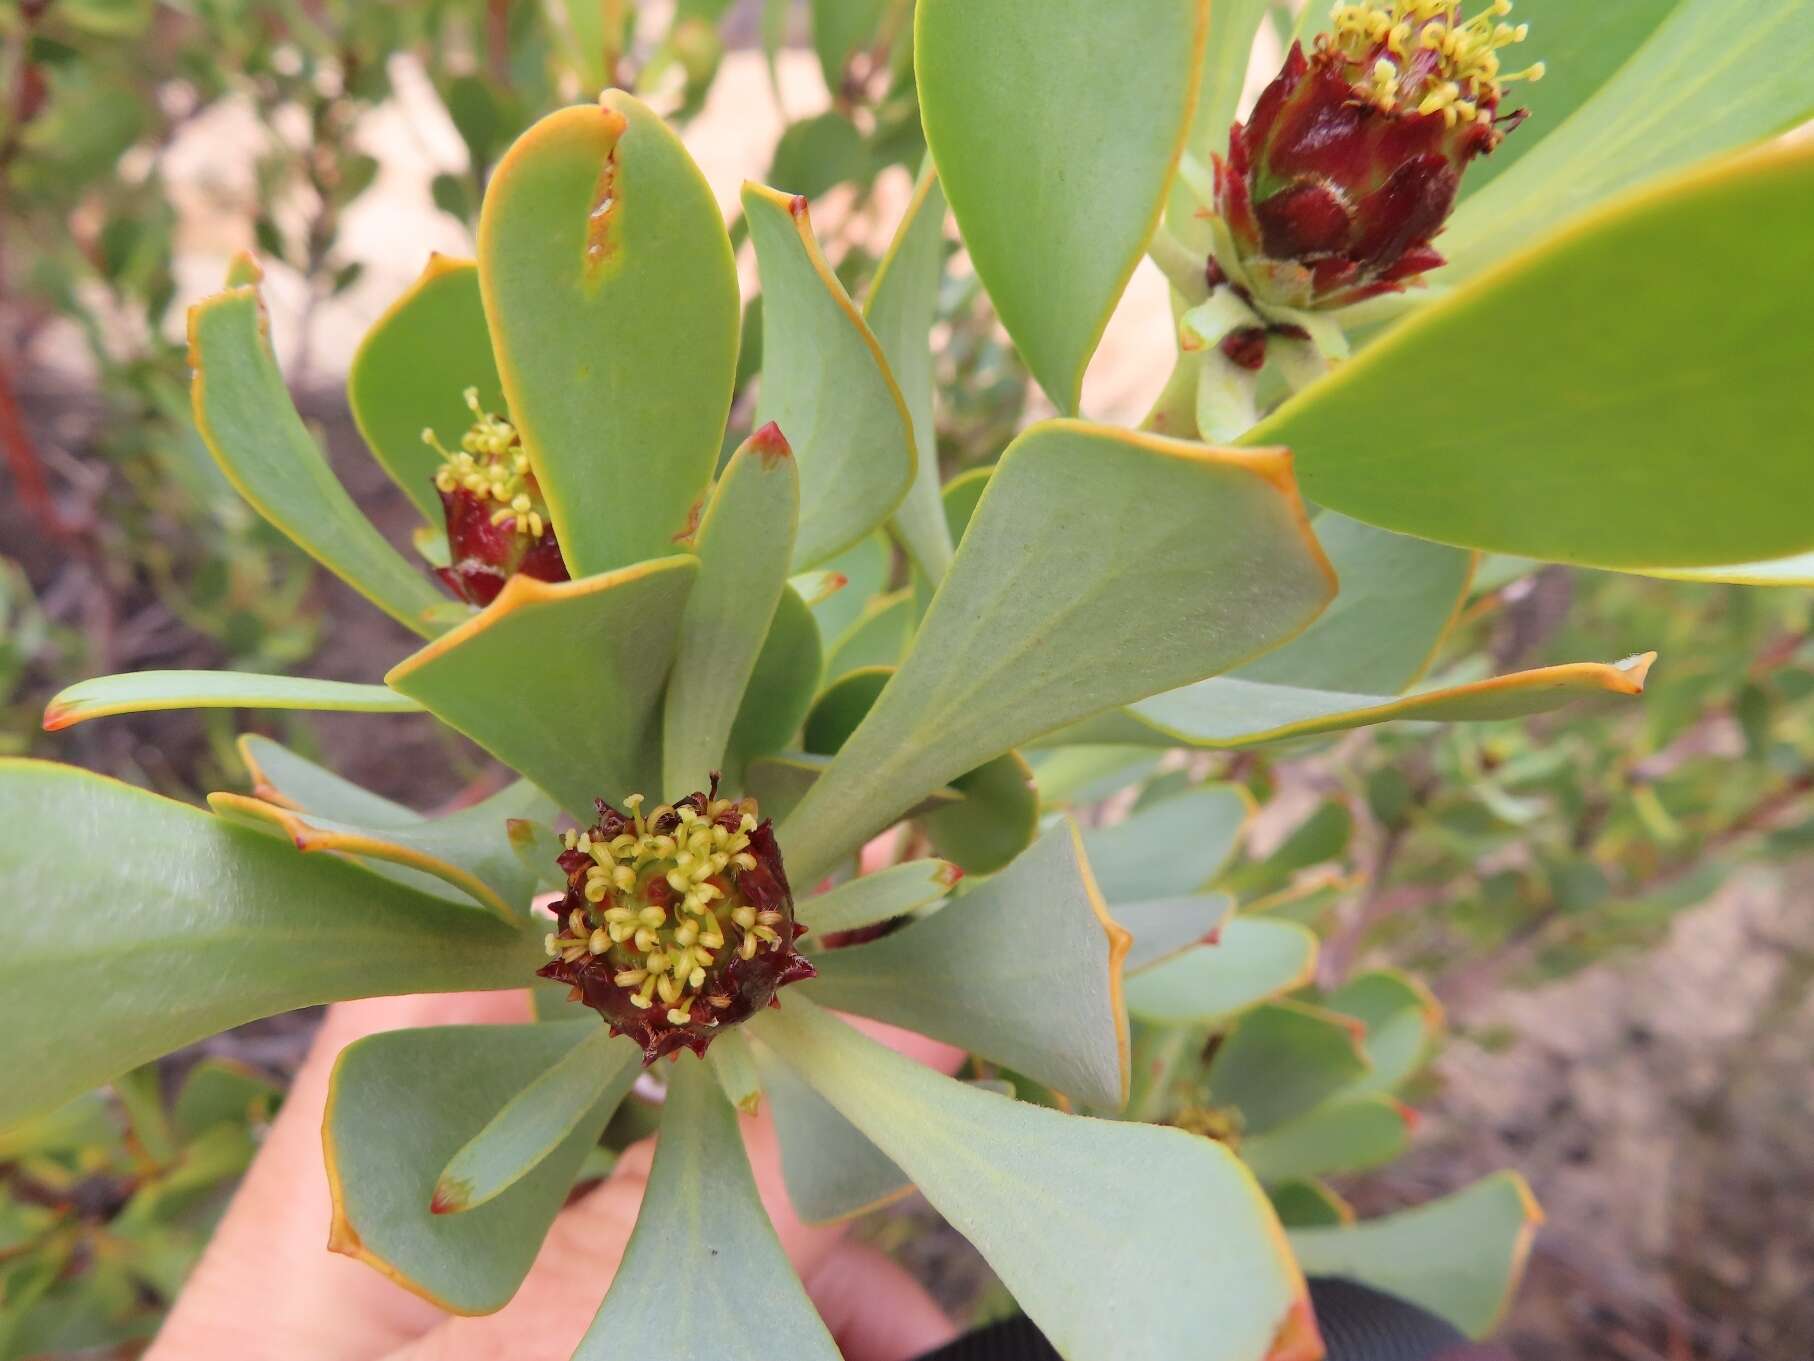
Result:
<point x="1489" y="859"/>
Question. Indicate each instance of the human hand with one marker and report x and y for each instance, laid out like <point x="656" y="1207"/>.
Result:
<point x="267" y="1289"/>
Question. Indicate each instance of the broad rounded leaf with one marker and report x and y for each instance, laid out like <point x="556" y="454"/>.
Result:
<point x="1253" y="959"/>
<point x="997" y="820"/>
<point x="1347" y="1135"/>
<point x="1283" y="1060"/>
<point x="1172" y="847"/>
<point x="1164" y="927"/>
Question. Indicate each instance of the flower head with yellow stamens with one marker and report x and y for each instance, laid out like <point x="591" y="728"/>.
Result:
<point x="676" y="923"/>
<point x="497" y="522"/>
<point x="1349" y="166"/>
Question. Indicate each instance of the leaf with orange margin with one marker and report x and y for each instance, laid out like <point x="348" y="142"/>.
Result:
<point x="138" y="692"/>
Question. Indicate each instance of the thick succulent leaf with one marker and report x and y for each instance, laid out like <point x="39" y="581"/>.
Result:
<point x="863" y="568"/>
<point x="1309" y="1204"/>
<point x="1024" y="969"/>
<point x="900" y="309"/>
<point x="780" y="689"/>
<point x="1403" y="1019"/>
<point x="563" y="682"/>
<point x="1173" y="847"/>
<point x="593" y="1075"/>
<point x="1564" y="451"/>
<point x="472" y="849"/>
<point x="1227" y="713"/>
<point x="208" y="926"/>
<point x="137" y="692"/>
<point x="1795" y="571"/>
<point x="704" y="1274"/>
<point x="878" y="637"/>
<point x="997" y="820"/>
<point x="878" y="897"/>
<point x="1101" y="566"/>
<point x="732" y="1059"/>
<point x="403" y="1102"/>
<point x="841" y="707"/>
<point x="781" y="781"/>
<point x="412" y="370"/>
<point x="1078" y="776"/>
<point x="1459" y="1257"/>
<point x="1347" y="1135"/>
<point x="744" y="542"/>
<point x="612" y="299"/>
<point x="831" y="1169"/>
<point x="1284" y="1060"/>
<point x="1252" y="960"/>
<point x="250" y="425"/>
<point x="1164" y="927"/>
<point x="826" y="383"/>
<point x="1706" y="81"/>
<point x="1071" y="1211"/>
<point x="1056" y="125"/>
<point x="279" y="775"/>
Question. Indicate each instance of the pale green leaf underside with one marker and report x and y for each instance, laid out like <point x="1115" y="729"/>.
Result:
<point x="1163" y="927"/>
<point x="1283" y="1060"/>
<point x="1070" y="1211"/>
<point x="137" y="692"/>
<point x="826" y="383"/>
<point x="612" y="299"/>
<point x="563" y="682"/>
<point x="208" y="926"/>
<point x="1101" y="566"/>
<point x="250" y="425"/>
<point x="1795" y="571"/>
<point x="1172" y="848"/>
<point x="1253" y="959"/>
<point x="1348" y="1135"/>
<point x="971" y="974"/>
<point x="878" y="897"/>
<point x="704" y="1274"/>
<point x="1459" y="1257"/>
<point x="1056" y="125"/>
<point x="281" y="776"/>
<point x="831" y="1169"/>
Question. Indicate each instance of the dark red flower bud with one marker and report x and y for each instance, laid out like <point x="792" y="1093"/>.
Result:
<point x="1350" y="163"/>
<point x="678" y="923"/>
<point x="497" y="522"/>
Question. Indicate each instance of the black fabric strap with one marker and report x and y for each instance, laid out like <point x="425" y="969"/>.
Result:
<point x="1358" y="1324"/>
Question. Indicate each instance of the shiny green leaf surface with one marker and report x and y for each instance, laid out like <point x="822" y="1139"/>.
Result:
<point x="1053" y="1012"/>
<point x="250" y="425"/>
<point x="1282" y="1061"/>
<point x="138" y="692"/>
<point x="826" y="383"/>
<point x="400" y="1105"/>
<point x="1459" y="1257"/>
<point x="209" y="926"/>
<point x="1347" y="1135"/>
<point x="412" y="369"/>
<point x="1170" y="848"/>
<point x="1162" y="927"/>
<point x="563" y="682"/>
<point x="1254" y="959"/>
<point x="703" y="1226"/>
<point x="612" y="300"/>
<point x="1055" y="125"/>
<point x="744" y="541"/>
<point x="878" y="897"/>
<point x="1568" y="451"/>
<point x="1101" y="566"/>
<point x="1071" y="1211"/>
<point x="592" y="1076"/>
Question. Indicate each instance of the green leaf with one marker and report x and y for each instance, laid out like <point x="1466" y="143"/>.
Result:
<point x="612" y="300"/>
<point x="780" y="689"/>
<point x="1229" y="713"/>
<point x="1459" y="1257"/>
<point x="1342" y="1136"/>
<point x="1403" y="1019"/>
<point x="1024" y="969"/>
<point x="842" y="706"/>
<point x="826" y="383"/>
<point x="138" y="692"/>
<point x="831" y="1170"/>
<point x="879" y="637"/>
<point x="223" y="1091"/>
<point x="1309" y="1205"/>
<point x="1101" y="566"/>
<point x="702" y="1226"/>
<point x="781" y="781"/>
<point x="1056" y="125"/>
<point x="208" y="926"/>
<point x="249" y="424"/>
<point x="471" y="849"/>
<point x="1071" y="1211"/>
<point x="1564" y="451"/>
<point x="1283" y="1060"/>
<point x="732" y="1060"/>
<point x="279" y="775"/>
<point x="1795" y="571"/>
<point x="815" y="155"/>
<point x="563" y="682"/>
<point x="840" y="29"/>
<point x="1253" y="959"/>
<point x="401" y="1104"/>
<point x="1705" y="82"/>
<point x="1163" y="927"/>
<point x="864" y="569"/>
<point x="1233" y="27"/>
<point x="1079" y="776"/>
<point x="879" y="897"/>
<point x="744" y="541"/>
<point x="412" y="369"/>
<point x="1171" y="848"/>
<point x="901" y="308"/>
<point x="593" y="1075"/>
<point x="997" y="820"/>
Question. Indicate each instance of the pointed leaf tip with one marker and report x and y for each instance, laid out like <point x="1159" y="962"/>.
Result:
<point x="771" y="444"/>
